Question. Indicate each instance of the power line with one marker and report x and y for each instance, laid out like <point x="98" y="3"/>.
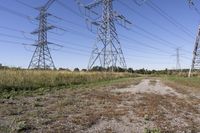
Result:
<point x="162" y="13"/>
<point x="68" y="8"/>
<point x="128" y="48"/>
<point x="145" y="45"/>
<point x="73" y="31"/>
<point x="70" y="22"/>
<point x="25" y="4"/>
<point x="153" y="36"/>
<point x="169" y="44"/>
<point x="11" y="42"/>
<point x="60" y="41"/>
<point x="72" y="11"/>
<point x="13" y="36"/>
<point x="172" y="44"/>
<point x="75" y="49"/>
<point x="151" y="21"/>
<point x="67" y="48"/>
<point x="70" y="29"/>
<point x="15" y="13"/>
<point x="66" y="42"/>
<point x="57" y="17"/>
<point x="149" y="46"/>
<point x="18" y="37"/>
<point x="12" y="29"/>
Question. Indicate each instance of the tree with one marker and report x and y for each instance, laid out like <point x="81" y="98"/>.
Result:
<point x="130" y="70"/>
<point x="76" y="70"/>
<point x="84" y="70"/>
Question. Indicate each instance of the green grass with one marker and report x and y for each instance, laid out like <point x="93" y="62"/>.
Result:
<point x="152" y="130"/>
<point x="15" y="82"/>
<point x="185" y="81"/>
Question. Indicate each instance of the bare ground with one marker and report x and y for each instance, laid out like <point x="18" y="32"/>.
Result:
<point x="149" y="105"/>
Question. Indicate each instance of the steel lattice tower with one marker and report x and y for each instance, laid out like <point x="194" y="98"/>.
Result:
<point x="178" y="65"/>
<point x="41" y="58"/>
<point x="196" y="54"/>
<point x="107" y="51"/>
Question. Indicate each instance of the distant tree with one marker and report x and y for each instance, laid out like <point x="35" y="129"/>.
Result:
<point x="76" y="70"/>
<point x="166" y="71"/>
<point x="67" y="69"/>
<point x="84" y="70"/>
<point x="119" y="69"/>
<point x="64" y="69"/>
<point x="153" y="71"/>
<point x="61" y="69"/>
<point x="141" y="71"/>
<point x="130" y="70"/>
<point x="98" y="69"/>
<point x="116" y="69"/>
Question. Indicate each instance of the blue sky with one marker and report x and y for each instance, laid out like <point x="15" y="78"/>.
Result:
<point x="78" y="41"/>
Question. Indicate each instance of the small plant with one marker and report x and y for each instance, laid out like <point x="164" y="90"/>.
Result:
<point x="146" y="117"/>
<point x="152" y="82"/>
<point x="23" y="126"/>
<point x="155" y="130"/>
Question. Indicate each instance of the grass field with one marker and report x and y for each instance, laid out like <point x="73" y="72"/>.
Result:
<point x="190" y="82"/>
<point x="13" y="82"/>
<point x="86" y="102"/>
<point x="183" y="84"/>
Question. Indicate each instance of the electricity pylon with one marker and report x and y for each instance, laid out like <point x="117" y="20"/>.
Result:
<point x="107" y="51"/>
<point x="178" y="65"/>
<point x="196" y="54"/>
<point x="41" y="58"/>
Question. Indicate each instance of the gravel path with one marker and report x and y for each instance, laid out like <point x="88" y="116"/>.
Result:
<point x="147" y="87"/>
<point x="159" y="107"/>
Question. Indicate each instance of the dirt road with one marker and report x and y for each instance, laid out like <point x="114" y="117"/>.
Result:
<point x="150" y="86"/>
<point x="156" y="107"/>
<point x="149" y="105"/>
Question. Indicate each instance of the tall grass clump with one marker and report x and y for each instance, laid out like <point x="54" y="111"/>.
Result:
<point x="14" y="80"/>
<point x="190" y="82"/>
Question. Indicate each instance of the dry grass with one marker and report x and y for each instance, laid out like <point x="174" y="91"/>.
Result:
<point x="169" y="113"/>
<point x="63" y="110"/>
<point x="184" y="85"/>
<point x="184" y="81"/>
<point x="153" y="82"/>
<point x="24" y="81"/>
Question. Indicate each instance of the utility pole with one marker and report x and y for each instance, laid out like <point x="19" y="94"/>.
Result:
<point x="196" y="54"/>
<point x="42" y="58"/>
<point x="107" y="51"/>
